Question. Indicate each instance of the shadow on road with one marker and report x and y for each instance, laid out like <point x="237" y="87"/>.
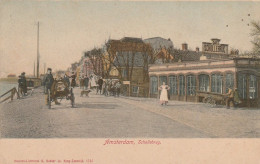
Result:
<point x="97" y="105"/>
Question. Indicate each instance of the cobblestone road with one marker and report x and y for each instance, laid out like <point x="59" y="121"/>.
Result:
<point x="108" y="117"/>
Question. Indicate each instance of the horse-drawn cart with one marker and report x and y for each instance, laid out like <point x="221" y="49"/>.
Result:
<point x="59" y="90"/>
<point x="211" y="98"/>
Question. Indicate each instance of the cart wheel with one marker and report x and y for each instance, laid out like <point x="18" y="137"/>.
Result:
<point x="49" y="99"/>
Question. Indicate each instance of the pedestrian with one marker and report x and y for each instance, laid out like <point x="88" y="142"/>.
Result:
<point x="86" y="81"/>
<point x="100" y="84"/>
<point x="20" y="85"/>
<point x="24" y="83"/>
<point x="103" y="87"/>
<point x="106" y="88"/>
<point x="73" y="80"/>
<point x="93" y="83"/>
<point x="117" y="88"/>
<point x="48" y="80"/>
<point x="66" y="79"/>
<point x="230" y="97"/>
<point x="164" y="93"/>
<point x="81" y="82"/>
<point x="113" y="88"/>
<point x="237" y="100"/>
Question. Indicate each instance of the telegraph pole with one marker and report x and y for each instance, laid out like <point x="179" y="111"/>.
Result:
<point x="38" y="55"/>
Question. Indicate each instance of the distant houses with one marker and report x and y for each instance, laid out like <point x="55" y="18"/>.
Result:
<point x="11" y="76"/>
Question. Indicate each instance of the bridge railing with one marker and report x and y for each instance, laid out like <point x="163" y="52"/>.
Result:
<point x="12" y="93"/>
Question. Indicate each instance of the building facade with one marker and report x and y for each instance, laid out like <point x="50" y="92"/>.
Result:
<point x="213" y="72"/>
<point x="185" y="79"/>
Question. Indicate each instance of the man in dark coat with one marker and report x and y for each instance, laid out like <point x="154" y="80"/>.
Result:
<point x="47" y="82"/>
<point x="24" y="87"/>
<point x="86" y="81"/>
<point x="20" y="85"/>
<point x="100" y="83"/>
<point x="73" y="80"/>
<point x="66" y="78"/>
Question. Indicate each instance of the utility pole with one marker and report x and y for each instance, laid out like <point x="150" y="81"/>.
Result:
<point x="38" y="55"/>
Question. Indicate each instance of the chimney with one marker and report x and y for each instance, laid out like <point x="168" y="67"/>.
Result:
<point x="197" y="49"/>
<point x="184" y="46"/>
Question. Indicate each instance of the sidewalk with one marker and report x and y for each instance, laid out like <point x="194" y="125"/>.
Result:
<point x="215" y="121"/>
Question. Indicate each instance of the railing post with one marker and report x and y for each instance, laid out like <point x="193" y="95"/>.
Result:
<point x="12" y="94"/>
<point x="18" y="97"/>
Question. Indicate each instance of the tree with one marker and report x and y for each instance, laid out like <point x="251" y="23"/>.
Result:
<point x="96" y="59"/>
<point x="255" y="33"/>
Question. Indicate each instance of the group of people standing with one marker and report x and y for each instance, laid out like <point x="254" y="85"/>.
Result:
<point x="108" y="87"/>
<point x="103" y="86"/>
<point x="111" y="87"/>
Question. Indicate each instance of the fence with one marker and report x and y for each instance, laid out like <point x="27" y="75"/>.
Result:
<point x="12" y="92"/>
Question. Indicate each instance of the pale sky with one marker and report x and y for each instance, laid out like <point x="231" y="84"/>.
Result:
<point x="68" y="28"/>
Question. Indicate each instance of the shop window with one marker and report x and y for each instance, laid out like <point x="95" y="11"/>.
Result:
<point x="242" y="86"/>
<point x="181" y="85"/>
<point x="191" y="85"/>
<point x="153" y="85"/>
<point x="252" y="87"/>
<point x="229" y="81"/>
<point x="162" y="79"/>
<point x="204" y="83"/>
<point x="173" y="85"/>
<point x="217" y="83"/>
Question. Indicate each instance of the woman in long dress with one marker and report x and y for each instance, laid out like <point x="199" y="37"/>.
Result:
<point x="93" y="83"/>
<point x="164" y="93"/>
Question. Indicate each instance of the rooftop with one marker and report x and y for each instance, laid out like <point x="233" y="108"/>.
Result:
<point x="130" y="39"/>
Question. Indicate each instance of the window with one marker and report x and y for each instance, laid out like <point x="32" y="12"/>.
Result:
<point x="242" y="86"/>
<point x="124" y="73"/>
<point x="181" y="85"/>
<point x="229" y="81"/>
<point x="135" y="89"/>
<point x="252" y="87"/>
<point x="204" y="83"/>
<point x="216" y="83"/>
<point x="153" y="85"/>
<point x="191" y="85"/>
<point x="173" y="85"/>
<point x="162" y="79"/>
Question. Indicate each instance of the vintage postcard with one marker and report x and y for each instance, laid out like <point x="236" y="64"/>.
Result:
<point x="129" y="82"/>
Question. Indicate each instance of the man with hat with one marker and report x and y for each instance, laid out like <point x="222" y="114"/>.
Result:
<point x="24" y="83"/>
<point x="47" y="83"/>
<point x="73" y="80"/>
<point x="230" y="97"/>
<point x="20" y="85"/>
